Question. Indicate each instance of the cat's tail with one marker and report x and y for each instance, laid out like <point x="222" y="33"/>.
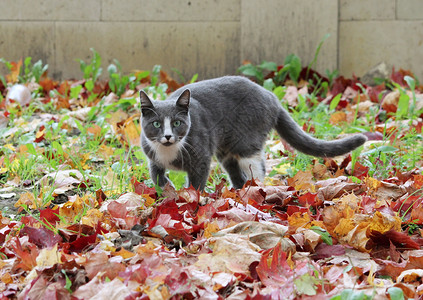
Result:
<point x="292" y="133"/>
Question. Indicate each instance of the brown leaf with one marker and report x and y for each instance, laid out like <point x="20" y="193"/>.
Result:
<point x="100" y="264"/>
<point x="302" y="181"/>
<point x="266" y="235"/>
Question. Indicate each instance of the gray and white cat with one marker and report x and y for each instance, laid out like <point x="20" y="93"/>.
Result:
<point x="229" y="117"/>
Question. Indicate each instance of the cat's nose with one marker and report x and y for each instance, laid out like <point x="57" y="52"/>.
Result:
<point x="168" y="137"/>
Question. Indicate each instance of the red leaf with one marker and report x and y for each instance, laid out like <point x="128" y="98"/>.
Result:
<point x="141" y="188"/>
<point x="117" y="210"/>
<point x="324" y="251"/>
<point x="100" y="196"/>
<point x="399" y="239"/>
<point x="309" y="199"/>
<point x="40" y="288"/>
<point x="49" y="215"/>
<point x="360" y="171"/>
<point x="398" y="76"/>
<point x="82" y="243"/>
<point x="278" y="272"/>
<point x="27" y="255"/>
<point x="291" y="209"/>
<point x="42" y="237"/>
<point x="99" y="262"/>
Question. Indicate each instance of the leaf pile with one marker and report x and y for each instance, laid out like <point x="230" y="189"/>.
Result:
<point x="88" y="223"/>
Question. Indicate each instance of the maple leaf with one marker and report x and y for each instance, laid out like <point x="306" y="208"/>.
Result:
<point x="40" y="289"/>
<point x="27" y="254"/>
<point x="49" y="216"/>
<point x="264" y="234"/>
<point x="99" y="263"/>
<point x="222" y="258"/>
<point x="14" y="71"/>
<point x="98" y="289"/>
<point x="42" y="237"/>
<point x="283" y="277"/>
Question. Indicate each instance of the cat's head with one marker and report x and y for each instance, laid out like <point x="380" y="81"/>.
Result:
<point x="165" y="122"/>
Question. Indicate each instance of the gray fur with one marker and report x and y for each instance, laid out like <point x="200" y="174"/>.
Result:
<point x="229" y="117"/>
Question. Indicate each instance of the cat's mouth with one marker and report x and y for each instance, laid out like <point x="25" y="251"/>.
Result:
<point x="167" y="144"/>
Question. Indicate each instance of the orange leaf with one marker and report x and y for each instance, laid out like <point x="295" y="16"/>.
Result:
<point x="302" y="181"/>
<point x="14" y="72"/>
<point x="123" y="253"/>
<point x="338" y="117"/>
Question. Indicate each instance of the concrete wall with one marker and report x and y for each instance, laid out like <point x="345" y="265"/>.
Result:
<point x="213" y="37"/>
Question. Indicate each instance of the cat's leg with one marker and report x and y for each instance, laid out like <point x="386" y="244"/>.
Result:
<point x="253" y="166"/>
<point x="158" y="174"/>
<point x="236" y="174"/>
<point x="199" y="173"/>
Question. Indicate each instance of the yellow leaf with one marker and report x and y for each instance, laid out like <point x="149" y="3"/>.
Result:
<point x="92" y="217"/>
<point x="357" y="237"/>
<point x="302" y="181"/>
<point x="29" y="200"/>
<point x="48" y="257"/>
<point x="74" y="207"/>
<point x="372" y="183"/>
<point x="344" y="227"/>
<point x="210" y="229"/>
<point x="283" y="169"/>
<point x="95" y="130"/>
<point x="298" y="219"/>
<point x="123" y="253"/>
<point x="131" y="132"/>
<point x="338" y="117"/>
<point x="10" y="147"/>
<point x="148" y="248"/>
<point x="384" y="222"/>
<point x="7" y="278"/>
<point x="148" y="200"/>
<point x="40" y="133"/>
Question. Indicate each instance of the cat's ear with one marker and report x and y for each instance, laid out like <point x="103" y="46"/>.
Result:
<point x="145" y="101"/>
<point x="183" y="100"/>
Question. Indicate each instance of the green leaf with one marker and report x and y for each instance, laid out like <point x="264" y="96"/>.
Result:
<point x="268" y="84"/>
<point x="112" y="69"/>
<point x="75" y="90"/>
<point x="380" y="149"/>
<point x="27" y="62"/>
<point x="89" y="85"/>
<point x="326" y="238"/>
<point x="410" y="81"/>
<point x="349" y="294"/>
<point x="194" y="78"/>
<point x="268" y="65"/>
<point x="403" y="105"/>
<point x="305" y="285"/>
<point x="68" y="284"/>
<point x="31" y="149"/>
<point x="294" y="66"/>
<point x="280" y="92"/>
<point x="142" y="75"/>
<point x="178" y="179"/>
<point x="58" y="147"/>
<point x="396" y="293"/>
<point x="335" y="101"/>
<point x="248" y="70"/>
<point x="316" y="54"/>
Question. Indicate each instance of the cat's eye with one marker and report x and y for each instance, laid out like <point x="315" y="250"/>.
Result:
<point x="156" y="124"/>
<point x="177" y="123"/>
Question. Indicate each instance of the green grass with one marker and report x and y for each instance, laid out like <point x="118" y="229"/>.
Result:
<point x="35" y="144"/>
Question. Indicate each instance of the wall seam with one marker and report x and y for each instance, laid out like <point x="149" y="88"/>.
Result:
<point x="338" y="32"/>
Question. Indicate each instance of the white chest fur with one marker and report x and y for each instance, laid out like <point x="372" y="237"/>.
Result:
<point x="165" y="155"/>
